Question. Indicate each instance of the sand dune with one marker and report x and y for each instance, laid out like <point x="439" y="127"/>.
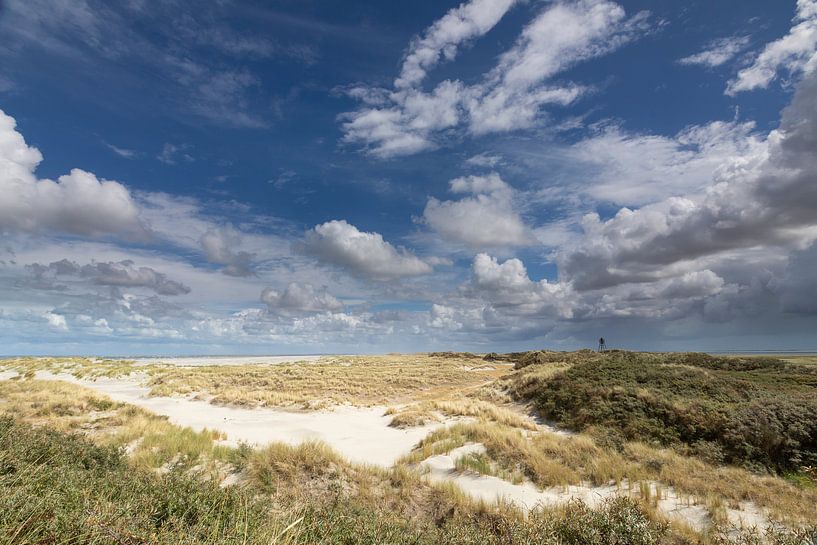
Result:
<point x="362" y="435"/>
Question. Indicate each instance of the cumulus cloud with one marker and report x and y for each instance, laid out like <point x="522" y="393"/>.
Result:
<point x="366" y="254"/>
<point x="484" y="218"/>
<point x="298" y="297"/>
<point x="406" y="119"/>
<point x="796" y="287"/>
<point x="794" y="53"/>
<point x="117" y="274"/>
<point x="764" y="199"/>
<point x="220" y="246"/>
<point x="507" y="286"/>
<point x="77" y="203"/>
<point x="717" y="52"/>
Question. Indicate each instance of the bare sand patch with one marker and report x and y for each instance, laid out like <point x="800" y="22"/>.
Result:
<point x="362" y="435"/>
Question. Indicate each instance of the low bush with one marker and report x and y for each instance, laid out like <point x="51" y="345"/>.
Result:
<point x="758" y="412"/>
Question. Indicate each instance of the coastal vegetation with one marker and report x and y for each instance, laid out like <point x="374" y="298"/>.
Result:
<point x="645" y="436"/>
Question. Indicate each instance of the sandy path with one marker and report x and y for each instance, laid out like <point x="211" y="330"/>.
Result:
<point x="362" y="435"/>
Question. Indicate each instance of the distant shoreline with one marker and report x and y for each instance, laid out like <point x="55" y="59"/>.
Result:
<point x="315" y="355"/>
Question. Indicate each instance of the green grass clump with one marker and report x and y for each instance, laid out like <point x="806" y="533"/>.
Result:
<point x="60" y="488"/>
<point x="757" y="412"/>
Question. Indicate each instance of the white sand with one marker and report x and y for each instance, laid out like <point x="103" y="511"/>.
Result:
<point x="362" y="435"/>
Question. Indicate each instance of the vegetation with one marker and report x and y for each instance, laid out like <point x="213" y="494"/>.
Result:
<point x="553" y="460"/>
<point x="60" y="488"/>
<point x="369" y="380"/>
<point x="756" y="412"/>
<point x="78" y="467"/>
<point x="359" y="380"/>
<point x="150" y="439"/>
<point x="430" y="411"/>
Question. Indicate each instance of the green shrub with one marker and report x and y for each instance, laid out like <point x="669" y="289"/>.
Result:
<point x="758" y="412"/>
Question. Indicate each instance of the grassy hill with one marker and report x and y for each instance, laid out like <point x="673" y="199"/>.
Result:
<point x="757" y="412"/>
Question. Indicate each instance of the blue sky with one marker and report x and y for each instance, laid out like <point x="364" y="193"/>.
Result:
<point x="300" y="177"/>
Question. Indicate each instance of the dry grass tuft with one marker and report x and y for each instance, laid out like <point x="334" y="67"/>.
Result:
<point x="430" y="411"/>
<point x="359" y="380"/>
<point x="153" y="442"/>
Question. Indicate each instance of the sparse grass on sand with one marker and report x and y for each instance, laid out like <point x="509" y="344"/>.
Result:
<point x="548" y="459"/>
<point x="89" y="368"/>
<point x="153" y="442"/>
<point x="430" y="411"/>
<point x="358" y="380"/>
<point x="59" y="488"/>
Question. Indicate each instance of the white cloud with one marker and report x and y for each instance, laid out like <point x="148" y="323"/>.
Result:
<point x="220" y="246"/>
<point x="56" y="321"/>
<point x="764" y="199"/>
<point x="562" y="35"/>
<point x="636" y="169"/>
<point x="77" y="203"/>
<point x="299" y="297"/>
<point x="483" y="160"/>
<point x="507" y="286"/>
<point x="172" y="153"/>
<point x="486" y="218"/>
<point x="366" y="254"/>
<point x="122" y="152"/>
<point x="469" y="20"/>
<point x="407" y="119"/>
<point x="717" y="52"/>
<point x="793" y="53"/>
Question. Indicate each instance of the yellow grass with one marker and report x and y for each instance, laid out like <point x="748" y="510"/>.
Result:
<point x="428" y="411"/>
<point x="359" y="380"/>
<point x="152" y="440"/>
<point x="423" y="388"/>
<point x="548" y="459"/>
<point x="79" y="367"/>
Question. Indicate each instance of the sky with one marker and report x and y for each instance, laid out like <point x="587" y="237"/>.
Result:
<point x="241" y="177"/>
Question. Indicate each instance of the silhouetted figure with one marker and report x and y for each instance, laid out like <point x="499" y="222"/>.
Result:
<point x="602" y="345"/>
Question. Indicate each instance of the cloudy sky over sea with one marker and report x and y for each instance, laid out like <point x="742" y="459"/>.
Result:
<point x="349" y="176"/>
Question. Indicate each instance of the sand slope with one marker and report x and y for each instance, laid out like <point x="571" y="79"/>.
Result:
<point x="362" y="435"/>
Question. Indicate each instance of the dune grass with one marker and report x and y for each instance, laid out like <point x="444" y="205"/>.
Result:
<point x="335" y="501"/>
<point x="756" y="412"/>
<point x="152" y="441"/>
<point x="548" y="459"/>
<point x="59" y="488"/>
<point x="79" y="367"/>
<point x="430" y="411"/>
<point x="358" y="380"/>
